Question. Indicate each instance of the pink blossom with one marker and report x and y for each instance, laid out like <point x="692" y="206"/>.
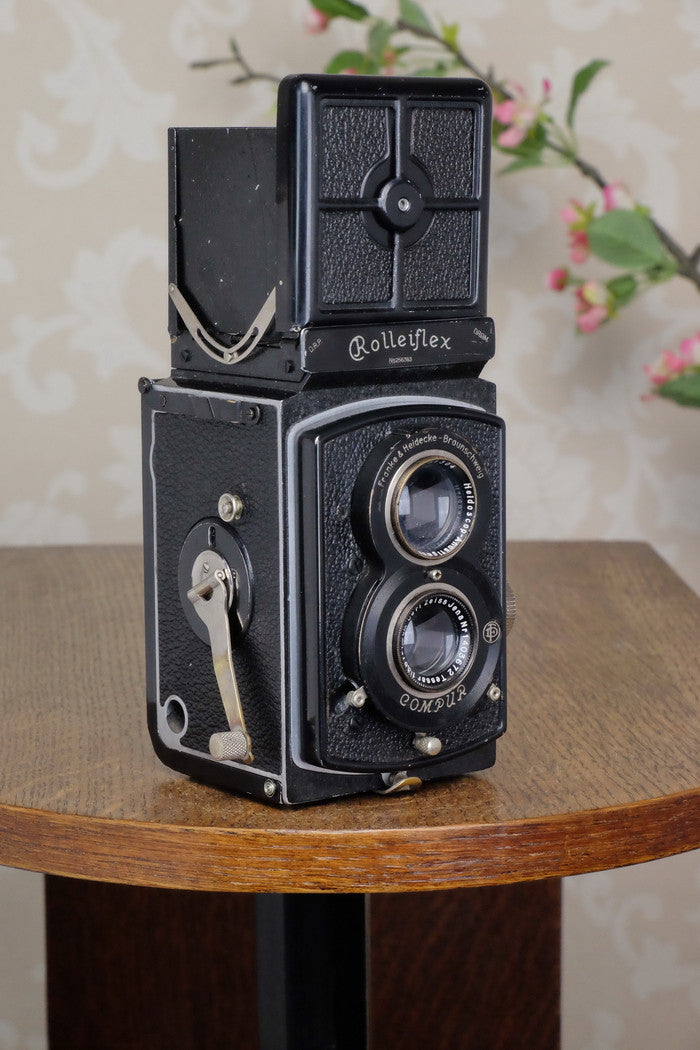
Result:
<point x="616" y="195"/>
<point x="579" y="246"/>
<point x="577" y="218"/>
<point x="558" y="279"/>
<point x="576" y="214"/>
<point x="389" y="59"/>
<point x="570" y="214"/>
<point x="518" y="115"/>
<point x="592" y="319"/>
<point x="593" y="306"/>
<point x="511" y="137"/>
<point x="315" y="21"/>
<point x="671" y="365"/>
<point x="504" y="112"/>
<point x="674" y="362"/>
<point x="690" y="350"/>
<point x="593" y="293"/>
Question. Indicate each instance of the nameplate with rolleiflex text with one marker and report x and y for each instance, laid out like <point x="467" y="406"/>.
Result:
<point x="423" y="343"/>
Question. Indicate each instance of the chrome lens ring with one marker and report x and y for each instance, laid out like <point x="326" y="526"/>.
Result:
<point x="431" y="507"/>
<point x="432" y="640"/>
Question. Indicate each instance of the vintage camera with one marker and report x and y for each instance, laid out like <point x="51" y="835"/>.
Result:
<point x="323" y="470"/>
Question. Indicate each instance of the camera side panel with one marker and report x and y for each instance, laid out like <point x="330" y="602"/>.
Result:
<point x="197" y="446"/>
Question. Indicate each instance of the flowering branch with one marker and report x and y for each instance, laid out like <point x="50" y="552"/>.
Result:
<point x="615" y="229"/>
<point x="236" y="58"/>
<point x="448" y="41"/>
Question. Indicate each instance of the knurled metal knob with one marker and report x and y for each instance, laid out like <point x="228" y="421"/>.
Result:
<point x="511" y="607"/>
<point x="427" y="745"/>
<point x="230" y="747"/>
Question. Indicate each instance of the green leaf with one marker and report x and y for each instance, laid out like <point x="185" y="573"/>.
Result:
<point x="623" y="289"/>
<point x="528" y="160"/>
<point x="379" y="39"/>
<point x="666" y="269"/>
<point x="341" y="9"/>
<point x="413" y="15"/>
<point x="346" y="60"/>
<point x="684" y="390"/>
<point x="440" y="69"/>
<point x="450" y="34"/>
<point x="627" y="239"/>
<point x="528" y="154"/>
<point x="581" y="82"/>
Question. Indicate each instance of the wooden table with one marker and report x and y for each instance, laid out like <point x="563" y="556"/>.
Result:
<point x="599" y="768"/>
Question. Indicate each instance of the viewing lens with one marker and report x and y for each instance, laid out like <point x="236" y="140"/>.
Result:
<point x="434" y="508"/>
<point x="434" y="640"/>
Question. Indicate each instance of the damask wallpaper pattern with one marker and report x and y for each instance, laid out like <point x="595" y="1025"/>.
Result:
<point x="89" y="88"/>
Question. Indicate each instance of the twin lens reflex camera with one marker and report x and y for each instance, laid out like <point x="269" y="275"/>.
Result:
<point x="323" y="470"/>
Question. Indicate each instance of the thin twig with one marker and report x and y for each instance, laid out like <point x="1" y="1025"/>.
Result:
<point x="496" y="86"/>
<point x="236" y="58"/>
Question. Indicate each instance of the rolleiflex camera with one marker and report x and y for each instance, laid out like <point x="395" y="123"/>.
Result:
<point x="323" y="470"/>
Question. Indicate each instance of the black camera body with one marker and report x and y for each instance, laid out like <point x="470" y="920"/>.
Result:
<point x="323" y="470"/>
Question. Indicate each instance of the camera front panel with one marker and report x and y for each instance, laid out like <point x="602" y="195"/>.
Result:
<point x="401" y="552"/>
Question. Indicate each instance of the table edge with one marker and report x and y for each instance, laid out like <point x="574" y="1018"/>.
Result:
<point x="276" y="860"/>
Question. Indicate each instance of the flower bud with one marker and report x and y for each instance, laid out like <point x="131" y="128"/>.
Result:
<point x="315" y="21"/>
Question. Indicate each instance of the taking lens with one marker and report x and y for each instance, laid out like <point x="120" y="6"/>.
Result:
<point x="434" y="640"/>
<point x="434" y="506"/>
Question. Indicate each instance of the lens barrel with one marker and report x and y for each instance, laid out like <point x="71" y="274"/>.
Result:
<point x="422" y="631"/>
<point x="433" y="639"/>
<point x="432" y="506"/>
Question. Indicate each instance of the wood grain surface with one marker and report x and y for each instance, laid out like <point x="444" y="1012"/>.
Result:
<point x="135" y="968"/>
<point x="599" y="767"/>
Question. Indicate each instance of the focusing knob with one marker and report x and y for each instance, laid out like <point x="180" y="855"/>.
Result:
<point x="511" y="607"/>
<point x="427" y="745"/>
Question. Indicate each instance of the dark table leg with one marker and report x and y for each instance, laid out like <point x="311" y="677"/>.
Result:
<point x="311" y="971"/>
<point x="132" y="968"/>
<point x="142" y="969"/>
<point x="474" y="969"/>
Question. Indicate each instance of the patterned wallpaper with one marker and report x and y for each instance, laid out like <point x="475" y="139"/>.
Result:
<point x="89" y="88"/>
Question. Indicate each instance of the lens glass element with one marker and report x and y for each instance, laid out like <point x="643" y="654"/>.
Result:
<point x="434" y="640"/>
<point x="434" y="507"/>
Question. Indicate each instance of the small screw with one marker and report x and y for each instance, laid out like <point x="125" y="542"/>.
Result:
<point x="493" y="692"/>
<point x="230" y="507"/>
<point x="269" y="788"/>
<point x="145" y="385"/>
<point x="404" y="204"/>
<point x="163" y="400"/>
<point x="357" y="697"/>
<point x="435" y="575"/>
